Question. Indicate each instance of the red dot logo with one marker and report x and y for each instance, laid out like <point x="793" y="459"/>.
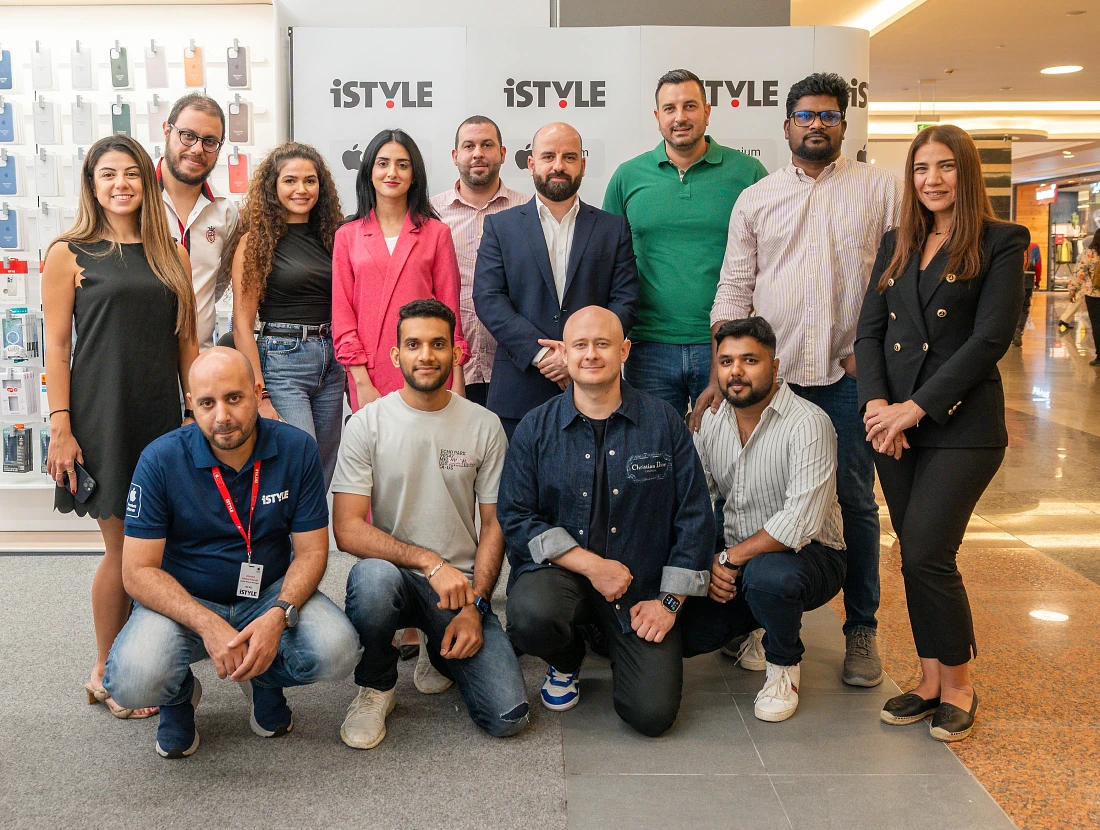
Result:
<point x="563" y="104"/>
<point x="389" y="105"/>
<point x="735" y="103"/>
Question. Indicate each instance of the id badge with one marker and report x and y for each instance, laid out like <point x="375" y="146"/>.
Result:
<point x="248" y="586"/>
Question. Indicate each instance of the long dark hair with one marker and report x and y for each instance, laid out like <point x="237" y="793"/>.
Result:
<point x="972" y="213"/>
<point x="420" y="209"/>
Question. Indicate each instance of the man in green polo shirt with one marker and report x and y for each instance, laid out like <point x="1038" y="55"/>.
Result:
<point x="678" y="199"/>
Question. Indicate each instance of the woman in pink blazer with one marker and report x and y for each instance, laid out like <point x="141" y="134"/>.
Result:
<point x="394" y="250"/>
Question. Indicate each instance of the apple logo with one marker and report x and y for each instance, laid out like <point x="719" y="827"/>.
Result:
<point x="352" y="158"/>
<point x="522" y="156"/>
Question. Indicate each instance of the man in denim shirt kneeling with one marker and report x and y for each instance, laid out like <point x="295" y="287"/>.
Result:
<point x="606" y="515"/>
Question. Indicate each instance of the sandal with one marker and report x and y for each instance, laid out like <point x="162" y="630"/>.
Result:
<point x="97" y="694"/>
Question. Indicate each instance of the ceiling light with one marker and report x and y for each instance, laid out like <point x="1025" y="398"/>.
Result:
<point x="882" y="14"/>
<point x="1049" y="616"/>
<point x="1005" y="88"/>
<point x="1067" y="155"/>
<point x="1059" y="70"/>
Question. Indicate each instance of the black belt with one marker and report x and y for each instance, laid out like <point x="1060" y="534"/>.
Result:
<point x="301" y="331"/>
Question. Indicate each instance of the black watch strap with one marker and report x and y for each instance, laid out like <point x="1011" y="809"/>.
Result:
<point x="482" y="605"/>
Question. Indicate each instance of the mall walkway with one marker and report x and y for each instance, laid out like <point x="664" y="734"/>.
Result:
<point x="1036" y="748"/>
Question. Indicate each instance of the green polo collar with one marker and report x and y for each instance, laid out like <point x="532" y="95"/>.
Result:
<point x="712" y="156"/>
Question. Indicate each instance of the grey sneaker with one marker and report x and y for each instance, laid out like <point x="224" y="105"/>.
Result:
<point x="427" y="680"/>
<point x="365" y="724"/>
<point x="862" y="665"/>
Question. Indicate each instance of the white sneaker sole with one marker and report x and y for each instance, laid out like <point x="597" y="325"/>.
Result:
<point x="774" y="717"/>
<point x="344" y="735"/>
<point x="749" y="664"/>
<point x="560" y="707"/>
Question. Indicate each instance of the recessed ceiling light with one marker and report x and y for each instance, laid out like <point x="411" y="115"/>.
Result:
<point x="1005" y="88"/>
<point x="1060" y="70"/>
<point x="1049" y="616"/>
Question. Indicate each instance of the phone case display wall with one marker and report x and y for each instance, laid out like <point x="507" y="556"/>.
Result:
<point x="67" y="80"/>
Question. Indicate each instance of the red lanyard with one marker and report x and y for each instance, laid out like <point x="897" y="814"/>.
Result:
<point x="233" y="509"/>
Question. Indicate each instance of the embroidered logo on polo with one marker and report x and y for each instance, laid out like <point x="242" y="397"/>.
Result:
<point x="455" y="460"/>
<point x="133" y="502"/>
<point x="648" y="466"/>
<point x="211" y="235"/>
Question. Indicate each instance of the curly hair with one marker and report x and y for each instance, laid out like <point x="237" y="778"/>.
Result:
<point x="263" y="218"/>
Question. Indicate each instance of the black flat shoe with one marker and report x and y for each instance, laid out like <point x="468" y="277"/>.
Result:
<point x="950" y="723"/>
<point x="907" y="708"/>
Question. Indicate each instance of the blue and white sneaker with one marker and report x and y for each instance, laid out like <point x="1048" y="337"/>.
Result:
<point x="270" y="717"/>
<point x="176" y="733"/>
<point x="561" y="690"/>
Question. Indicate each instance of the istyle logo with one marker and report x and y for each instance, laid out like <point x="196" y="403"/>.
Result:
<point x="351" y="94"/>
<point x="534" y="93"/>
<point x="747" y="92"/>
<point x="857" y="93"/>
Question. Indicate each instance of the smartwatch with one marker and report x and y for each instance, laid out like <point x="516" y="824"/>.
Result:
<point x="482" y="605"/>
<point x="290" y="613"/>
<point x="671" y="603"/>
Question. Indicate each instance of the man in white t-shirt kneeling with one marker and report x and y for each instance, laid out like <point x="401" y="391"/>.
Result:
<point x="413" y="468"/>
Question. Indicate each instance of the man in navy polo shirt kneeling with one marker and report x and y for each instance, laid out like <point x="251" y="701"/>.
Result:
<point x="226" y="542"/>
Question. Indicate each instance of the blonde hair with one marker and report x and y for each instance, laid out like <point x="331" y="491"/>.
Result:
<point x="160" y="248"/>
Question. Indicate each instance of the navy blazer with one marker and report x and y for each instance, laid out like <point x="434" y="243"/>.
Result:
<point x="515" y="297"/>
<point x="942" y="351"/>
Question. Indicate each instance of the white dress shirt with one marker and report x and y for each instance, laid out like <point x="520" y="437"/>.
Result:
<point x="559" y="242"/>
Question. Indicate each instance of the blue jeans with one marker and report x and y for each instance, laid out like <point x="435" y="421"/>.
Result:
<point x="776" y="590"/>
<point x="150" y="661"/>
<point x="675" y="374"/>
<point x="855" y="489"/>
<point x="307" y="389"/>
<point x="382" y="598"/>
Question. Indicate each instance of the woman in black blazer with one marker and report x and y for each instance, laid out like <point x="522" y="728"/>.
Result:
<point x="940" y="311"/>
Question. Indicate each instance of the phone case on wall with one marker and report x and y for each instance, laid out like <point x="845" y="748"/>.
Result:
<point x="156" y="68"/>
<point x="240" y="123"/>
<point x="49" y="224"/>
<point x="158" y="114"/>
<point x="193" y="72"/>
<point x="78" y="172"/>
<point x="120" y="68"/>
<point x="7" y="77"/>
<point x="9" y="230"/>
<point x="9" y="123"/>
<point x="44" y="117"/>
<point x="46" y="180"/>
<point x="121" y="121"/>
<point x="42" y="70"/>
<point x="84" y="122"/>
<point x="236" y="58"/>
<point x="83" y="68"/>
<point x="9" y="175"/>
<point x="13" y="282"/>
<point x="238" y="173"/>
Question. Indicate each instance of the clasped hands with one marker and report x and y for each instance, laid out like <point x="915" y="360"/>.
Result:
<point x="886" y="424"/>
<point x="462" y="638"/>
<point x="553" y="365"/>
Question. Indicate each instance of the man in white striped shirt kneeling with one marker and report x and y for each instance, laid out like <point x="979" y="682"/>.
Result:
<point x="773" y="456"/>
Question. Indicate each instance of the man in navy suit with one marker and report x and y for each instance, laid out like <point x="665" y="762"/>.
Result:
<point x="539" y="262"/>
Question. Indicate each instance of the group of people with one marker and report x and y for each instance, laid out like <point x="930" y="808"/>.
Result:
<point x="667" y="413"/>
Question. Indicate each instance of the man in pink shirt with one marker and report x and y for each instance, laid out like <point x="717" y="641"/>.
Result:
<point x="479" y="191"/>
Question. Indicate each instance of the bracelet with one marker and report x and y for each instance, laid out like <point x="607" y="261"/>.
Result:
<point x="435" y="570"/>
<point x="60" y="410"/>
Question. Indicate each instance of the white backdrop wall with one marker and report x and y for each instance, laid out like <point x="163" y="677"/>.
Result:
<point x="601" y="80"/>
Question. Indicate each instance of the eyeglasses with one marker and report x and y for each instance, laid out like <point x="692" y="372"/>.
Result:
<point x="190" y="139"/>
<point x="806" y="118"/>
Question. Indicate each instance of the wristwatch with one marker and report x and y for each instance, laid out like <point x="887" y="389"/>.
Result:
<point x="671" y="603"/>
<point x="724" y="559"/>
<point x="482" y="605"/>
<point x="290" y="613"/>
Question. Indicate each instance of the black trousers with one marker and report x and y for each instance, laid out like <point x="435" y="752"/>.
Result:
<point x="931" y="493"/>
<point x="1093" y="306"/>
<point x="545" y="609"/>
<point x="477" y="393"/>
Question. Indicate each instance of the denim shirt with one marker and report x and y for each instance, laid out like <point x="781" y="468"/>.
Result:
<point x="661" y="525"/>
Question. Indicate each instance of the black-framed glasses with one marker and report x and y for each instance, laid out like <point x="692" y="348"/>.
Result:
<point x="806" y="118"/>
<point x="190" y="139"/>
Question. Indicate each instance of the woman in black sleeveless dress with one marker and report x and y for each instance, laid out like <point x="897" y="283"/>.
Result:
<point x="127" y="285"/>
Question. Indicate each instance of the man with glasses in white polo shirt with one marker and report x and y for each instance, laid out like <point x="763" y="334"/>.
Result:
<point x="801" y="246"/>
<point x="199" y="218"/>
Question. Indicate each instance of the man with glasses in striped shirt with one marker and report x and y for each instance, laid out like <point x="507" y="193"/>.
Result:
<point x="801" y="246"/>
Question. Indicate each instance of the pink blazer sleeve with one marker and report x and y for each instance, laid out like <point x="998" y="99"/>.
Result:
<point x="345" y="331"/>
<point x="447" y="283"/>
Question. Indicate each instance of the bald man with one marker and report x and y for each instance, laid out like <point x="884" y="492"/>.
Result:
<point x="538" y="263"/>
<point x="607" y="521"/>
<point x="226" y="542"/>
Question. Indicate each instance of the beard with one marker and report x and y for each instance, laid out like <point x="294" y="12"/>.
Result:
<point x="686" y="143"/>
<point x="219" y="435"/>
<point x="479" y="179"/>
<point x="823" y="152"/>
<point x="426" y="386"/>
<point x="172" y="160"/>
<point x="750" y="396"/>
<point x="557" y="191"/>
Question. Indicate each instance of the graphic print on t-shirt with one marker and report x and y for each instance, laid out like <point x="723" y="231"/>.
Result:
<point x="455" y="459"/>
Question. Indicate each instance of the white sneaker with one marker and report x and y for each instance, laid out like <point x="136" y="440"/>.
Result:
<point x="426" y="678"/>
<point x="778" y="700"/>
<point x="750" y="654"/>
<point x="365" y="724"/>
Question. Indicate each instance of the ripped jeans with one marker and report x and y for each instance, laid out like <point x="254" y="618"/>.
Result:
<point x="382" y="598"/>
